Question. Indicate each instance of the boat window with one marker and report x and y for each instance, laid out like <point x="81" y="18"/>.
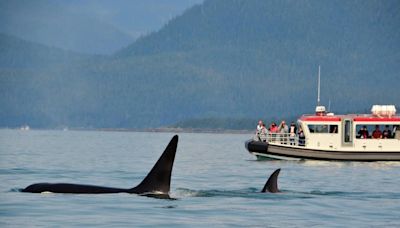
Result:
<point x="333" y="129"/>
<point x="370" y="131"/>
<point x="323" y="128"/>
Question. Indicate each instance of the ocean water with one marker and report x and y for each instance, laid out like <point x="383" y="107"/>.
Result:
<point x="215" y="182"/>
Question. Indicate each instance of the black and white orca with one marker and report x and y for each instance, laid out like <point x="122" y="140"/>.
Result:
<point x="155" y="184"/>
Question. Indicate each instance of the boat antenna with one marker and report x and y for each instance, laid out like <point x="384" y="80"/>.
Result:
<point x="319" y="110"/>
<point x="319" y="83"/>
<point x="329" y="106"/>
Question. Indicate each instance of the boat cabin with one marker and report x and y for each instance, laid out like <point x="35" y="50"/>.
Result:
<point x="379" y="131"/>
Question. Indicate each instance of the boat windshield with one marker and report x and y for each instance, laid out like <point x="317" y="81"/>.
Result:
<point x="323" y="128"/>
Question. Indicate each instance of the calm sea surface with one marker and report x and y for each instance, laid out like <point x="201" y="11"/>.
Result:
<point x="216" y="183"/>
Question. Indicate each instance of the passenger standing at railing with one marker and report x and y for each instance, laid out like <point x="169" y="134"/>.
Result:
<point x="302" y="137"/>
<point x="292" y="133"/>
<point x="273" y="129"/>
<point x="263" y="133"/>
<point x="283" y="130"/>
<point x="259" y="129"/>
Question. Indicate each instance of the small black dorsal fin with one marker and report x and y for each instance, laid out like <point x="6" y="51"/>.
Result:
<point x="159" y="178"/>
<point x="272" y="183"/>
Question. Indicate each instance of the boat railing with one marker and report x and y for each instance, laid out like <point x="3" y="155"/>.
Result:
<point x="282" y="138"/>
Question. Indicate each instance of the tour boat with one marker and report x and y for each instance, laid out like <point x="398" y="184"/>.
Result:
<point x="326" y="136"/>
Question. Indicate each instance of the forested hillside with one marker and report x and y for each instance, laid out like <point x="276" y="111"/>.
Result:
<point x="222" y="61"/>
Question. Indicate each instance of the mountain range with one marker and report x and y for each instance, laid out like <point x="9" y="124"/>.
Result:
<point x="226" y="61"/>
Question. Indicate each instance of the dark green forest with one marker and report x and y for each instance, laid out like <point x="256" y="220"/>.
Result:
<point x="223" y="63"/>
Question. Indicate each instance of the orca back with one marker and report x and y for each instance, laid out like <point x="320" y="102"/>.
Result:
<point x="70" y="188"/>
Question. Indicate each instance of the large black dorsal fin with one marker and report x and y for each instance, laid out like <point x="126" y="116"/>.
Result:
<point x="272" y="183"/>
<point x="159" y="178"/>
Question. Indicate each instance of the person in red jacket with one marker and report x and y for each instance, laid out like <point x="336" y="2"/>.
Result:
<point x="377" y="134"/>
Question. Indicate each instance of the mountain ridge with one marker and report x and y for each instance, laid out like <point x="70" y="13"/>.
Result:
<point x="90" y="27"/>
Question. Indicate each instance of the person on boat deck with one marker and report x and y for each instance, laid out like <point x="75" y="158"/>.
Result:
<point x="263" y="133"/>
<point x="387" y="133"/>
<point x="259" y="125"/>
<point x="292" y="133"/>
<point x="273" y="129"/>
<point x="302" y="137"/>
<point x="259" y="129"/>
<point x="363" y="133"/>
<point x="377" y="134"/>
<point x="283" y="130"/>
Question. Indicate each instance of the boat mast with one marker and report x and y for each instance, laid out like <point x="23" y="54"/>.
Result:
<point x="319" y="110"/>
<point x="319" y="84"/>
<point x="329" y="106"/>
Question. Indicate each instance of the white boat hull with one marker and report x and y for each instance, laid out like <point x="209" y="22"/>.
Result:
<point x="288" y="152"/>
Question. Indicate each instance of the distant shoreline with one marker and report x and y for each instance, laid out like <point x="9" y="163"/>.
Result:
<point x="156" y="130"/>
<point x="177" y="130"/>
